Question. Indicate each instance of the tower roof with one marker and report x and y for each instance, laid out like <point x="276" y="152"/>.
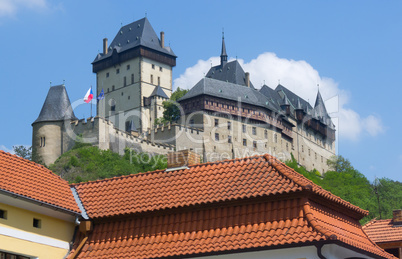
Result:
<point x="158" y="91"/>
<point x="319" y="106"/>
<point x="57" y="106"/>
<point x="231" y="72"/>
<point x="224" y="56"/>
<point x="138" y="33"/>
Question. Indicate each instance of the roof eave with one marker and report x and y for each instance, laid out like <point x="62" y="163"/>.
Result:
<point x="40" y="203"/>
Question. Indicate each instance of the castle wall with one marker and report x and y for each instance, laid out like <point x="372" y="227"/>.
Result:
<point x="105" y="135"/>
<point x="49" y="141"/>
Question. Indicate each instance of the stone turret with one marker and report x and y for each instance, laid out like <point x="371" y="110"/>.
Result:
<point x="48" y="139"/>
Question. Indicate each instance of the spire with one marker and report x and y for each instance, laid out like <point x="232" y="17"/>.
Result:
<point x="224" y="56"/>
<point x="319" y="106"/>
<point x="57" y="106"/>
<point x="299" y="106"/>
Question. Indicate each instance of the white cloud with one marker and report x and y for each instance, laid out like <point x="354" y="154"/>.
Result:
<point x="11" y="7"/>
<point x="301" y="78"/>
<point x="4" y="148"/>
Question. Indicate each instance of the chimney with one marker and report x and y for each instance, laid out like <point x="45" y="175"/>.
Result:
<point x="162" y="39"/>
<point x="397" y="217"/>
<point x="181" y="159"/>
<point x="104" y="46"/>
<point x="247" y="79"/>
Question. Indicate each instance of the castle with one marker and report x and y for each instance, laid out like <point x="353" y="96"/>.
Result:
<point x="223" y="116"/>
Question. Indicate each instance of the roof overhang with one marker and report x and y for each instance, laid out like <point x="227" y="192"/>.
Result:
<point x="23" y="202"/>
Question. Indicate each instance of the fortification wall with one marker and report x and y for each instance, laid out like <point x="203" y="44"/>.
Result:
<point x="102" y="133"/>
<point x="180" y="136"/>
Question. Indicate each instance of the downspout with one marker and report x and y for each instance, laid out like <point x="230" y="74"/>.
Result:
<point x="319" y="251"/>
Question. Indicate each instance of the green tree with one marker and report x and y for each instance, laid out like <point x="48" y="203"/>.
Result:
<point x="23" y="151"/>
<point x="171" y="107"/>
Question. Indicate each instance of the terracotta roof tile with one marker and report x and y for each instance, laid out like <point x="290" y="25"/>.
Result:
<point x="200" y="184"/>
<point x="250" y="203"/>
<point x="383" y="230"/>
<point x="33" y="181"/>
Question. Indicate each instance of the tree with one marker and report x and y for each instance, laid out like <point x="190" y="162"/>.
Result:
<point x="339" y="164"/>
<point x="23" y="151"/>
<point x="171" y="108"/>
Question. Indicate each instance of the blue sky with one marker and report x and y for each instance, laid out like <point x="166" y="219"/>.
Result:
<point x="352" y="49"/>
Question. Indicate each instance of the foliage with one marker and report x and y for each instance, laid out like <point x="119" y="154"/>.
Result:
<point x="89" y="163"/>
<point x="23" y="151"/>
<point x="349" y="184"/>
<point x="171" y="108"/>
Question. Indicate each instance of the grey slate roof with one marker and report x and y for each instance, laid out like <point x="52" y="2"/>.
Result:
<point x="138" y="33"/>
<point x="230" y="72"/>
<point x="57" y="106"/>
<point x="158" y="91"/>
<point x="293" y="98"/>
<point x="226" y="90"/>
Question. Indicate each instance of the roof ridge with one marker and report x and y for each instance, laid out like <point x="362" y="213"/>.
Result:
<point x="117" y="177"/>
<point x="310" y="185"/>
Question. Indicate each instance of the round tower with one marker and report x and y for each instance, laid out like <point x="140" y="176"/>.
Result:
<point x="49" y="140"/>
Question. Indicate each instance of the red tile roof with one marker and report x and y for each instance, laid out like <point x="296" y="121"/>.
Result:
<point x="33" y="181"/>
<point x="251" y="203"/>
<point x="200" y="184"/>
<point x="383" y="231"/>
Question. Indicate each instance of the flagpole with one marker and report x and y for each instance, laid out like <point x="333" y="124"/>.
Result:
<point x="91" y="103"/>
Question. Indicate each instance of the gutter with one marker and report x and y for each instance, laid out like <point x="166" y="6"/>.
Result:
<point x="37" y="202"/>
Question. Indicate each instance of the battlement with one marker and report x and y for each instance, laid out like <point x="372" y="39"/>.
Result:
<point x="175" y="126"/>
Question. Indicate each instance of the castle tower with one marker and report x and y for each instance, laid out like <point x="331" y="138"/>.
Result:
<point x="49" y="140"/>
<point x="157" y="97"/>
<point x="129" y="70"/>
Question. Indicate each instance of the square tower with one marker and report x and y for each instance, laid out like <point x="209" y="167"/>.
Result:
<point x="135" y="65"/>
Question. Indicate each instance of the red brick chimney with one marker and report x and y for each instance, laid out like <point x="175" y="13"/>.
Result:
<point x="182" y="158"/>
<point x="397" y="217"/>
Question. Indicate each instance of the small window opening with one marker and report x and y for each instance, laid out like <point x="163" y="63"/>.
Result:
<point x="37" y="223"/>
<point x="3" y="214"/>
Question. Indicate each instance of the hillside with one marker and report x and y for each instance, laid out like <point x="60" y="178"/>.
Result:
<point x="88" y="163"/>
<point x="379" y="198"/>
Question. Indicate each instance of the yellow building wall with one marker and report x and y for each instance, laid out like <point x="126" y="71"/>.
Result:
<point x="21" y="221"/>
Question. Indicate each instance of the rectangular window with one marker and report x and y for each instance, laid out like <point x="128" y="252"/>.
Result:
<point x="159" y="80"/>
<point x="3" y="214"/>
<point x="132" y="78"/>
<point x="152" y="79"/>
<point x="229" y="125"/>
<point x="6" y="255"/>
<point x="216" y="122"/>
<point x="124" y="81"/>
<point x="216" y="136"/>
<point x="266" y="134"/>
<point x="128" y="67"/>
<point x="160" y="69"/>
<point x="229" y="139"/>
<point x="254" y="144"/>
<point x="107" y="74"/>
<point x="254" y="131"/>
<point x="118" y="71"/>
<point x="245" y="142"/>
<point x="244" y="128"/>
<point x="153" y="66"/>
<point x="37" y="223"/>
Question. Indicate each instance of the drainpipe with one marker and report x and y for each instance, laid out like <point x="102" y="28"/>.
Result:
<point x="85" y="227"/>
<point x="319" y="252"/>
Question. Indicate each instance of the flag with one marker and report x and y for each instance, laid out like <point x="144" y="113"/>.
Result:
<point x="101" y="95"/>
<point x="88" y="97"/>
